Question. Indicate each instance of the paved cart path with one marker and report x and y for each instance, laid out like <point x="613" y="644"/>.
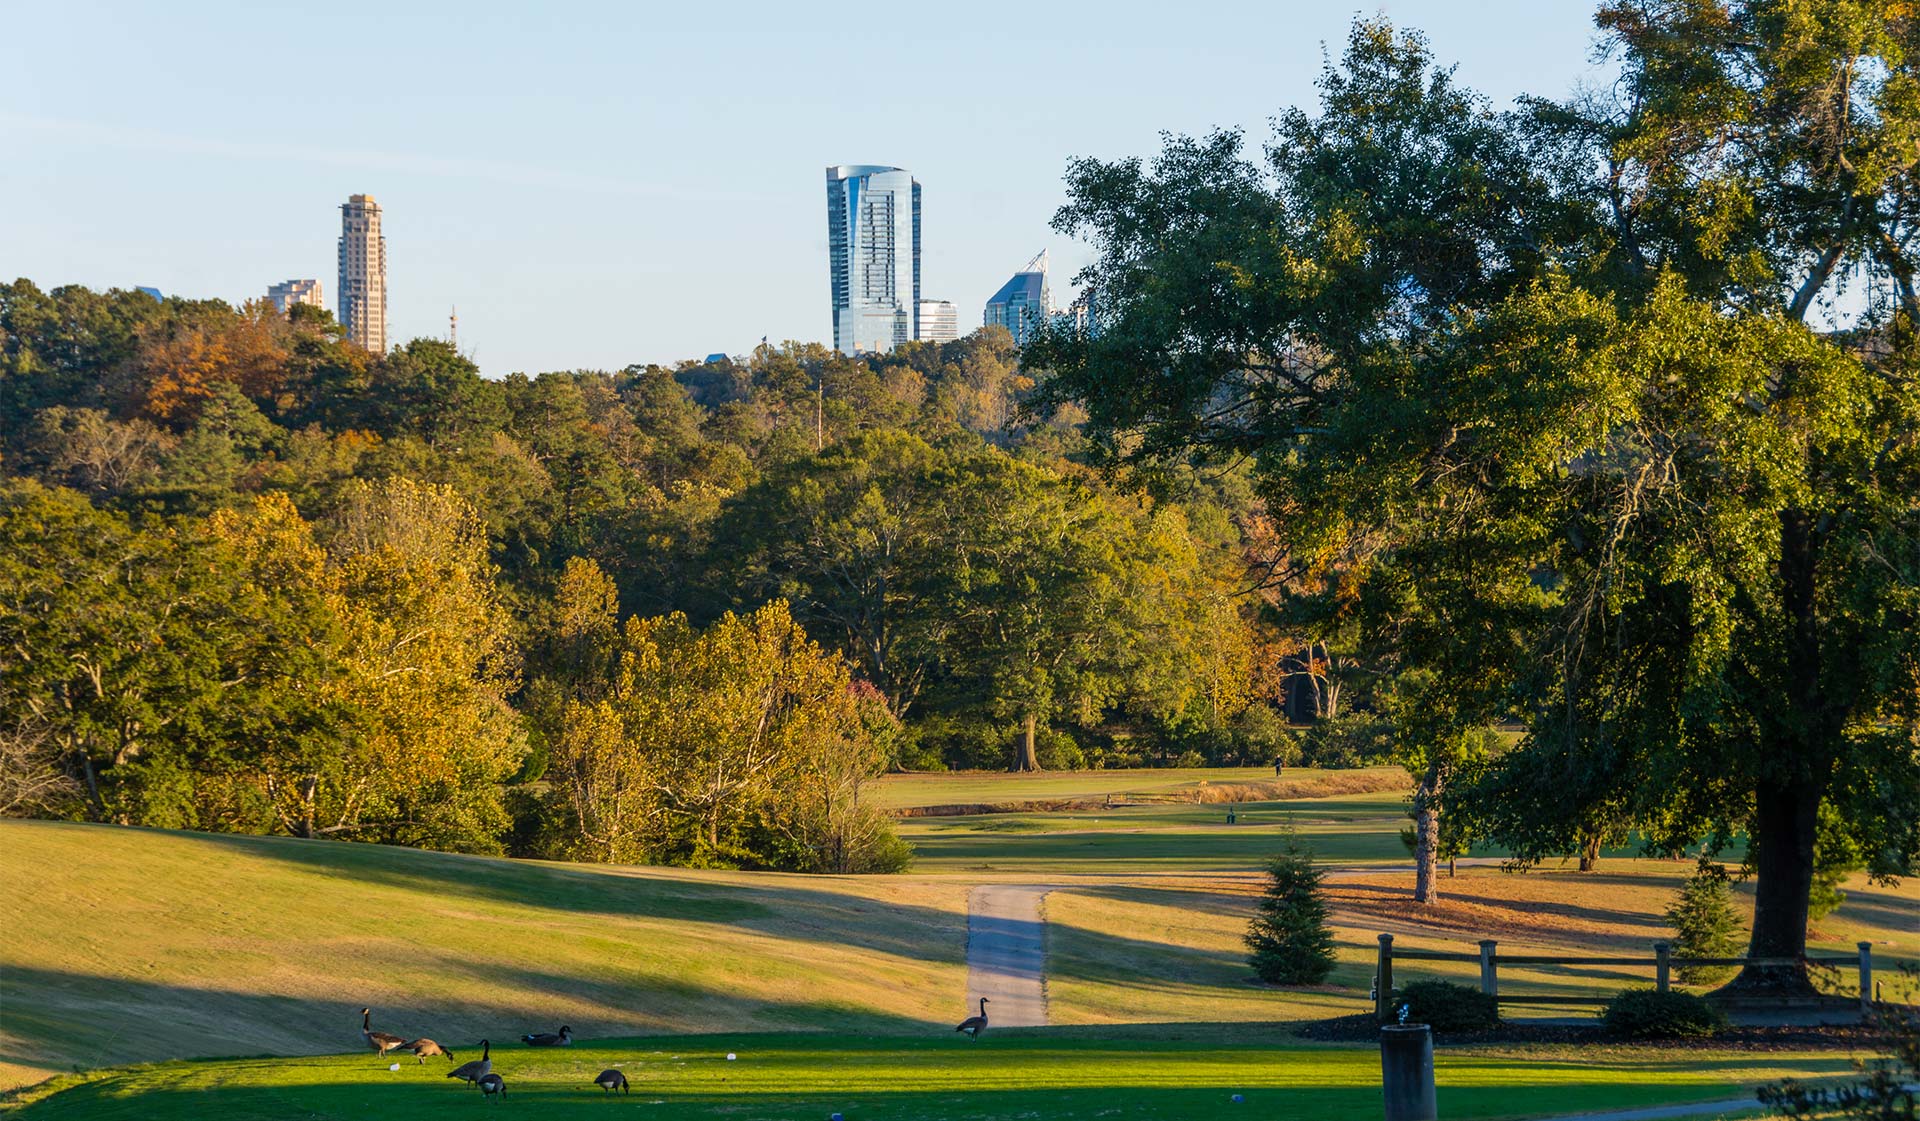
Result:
<point x="1007" y="954"/>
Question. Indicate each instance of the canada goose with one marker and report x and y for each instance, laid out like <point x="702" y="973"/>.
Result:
<point x="491" y="1084"/>
<point x="423" y="1048"/>
<point x="611" y="1080"/>
<point x="561" y="1038"/>
<point x="380" y="1041"/>
<point x="974" y="1025"/>
<point x="478" y="1068"/>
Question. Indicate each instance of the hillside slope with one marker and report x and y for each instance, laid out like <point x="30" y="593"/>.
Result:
<point x="130" y="945"/>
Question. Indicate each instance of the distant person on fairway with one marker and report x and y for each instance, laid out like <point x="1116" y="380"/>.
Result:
<point x="1276" y="768"/>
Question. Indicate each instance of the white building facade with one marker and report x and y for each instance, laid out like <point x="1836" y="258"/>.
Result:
<point x="939" y="321"/>
<point x="290" y="292"/>
<point x="363" y="274"/>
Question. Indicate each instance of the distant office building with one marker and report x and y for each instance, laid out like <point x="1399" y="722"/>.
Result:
<point x="939" y="321"/>
<point x="290" y="292"/>
<point x="873" y="249"/>
<point x="154" y="292"/>
<point x="1022" y="303"/>
<point x="363" y="274"/>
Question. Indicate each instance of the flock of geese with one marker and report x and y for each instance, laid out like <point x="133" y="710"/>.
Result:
<point x="479" y="1072"/>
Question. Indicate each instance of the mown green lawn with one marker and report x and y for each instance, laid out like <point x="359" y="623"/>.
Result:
<point x="990" y="787"/>
<point x="1058" y="1074"/>
<point x="1344" y="829"/>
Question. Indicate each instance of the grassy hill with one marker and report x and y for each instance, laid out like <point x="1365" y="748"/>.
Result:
<point x="133" y="945"/>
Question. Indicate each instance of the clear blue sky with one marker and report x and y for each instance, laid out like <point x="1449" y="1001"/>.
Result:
<point x="602" y="183"/>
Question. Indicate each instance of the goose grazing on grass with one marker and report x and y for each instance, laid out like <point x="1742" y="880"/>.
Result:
<point x="491" y="1084"/>
<point x="974" y="1025"/>
<point x="424" y="1048"/>
<point x="478" y="1068"/>
<point x="380" y="1041"/>
<point x="611" y="1080"/>
<point x="561" y="1038"/>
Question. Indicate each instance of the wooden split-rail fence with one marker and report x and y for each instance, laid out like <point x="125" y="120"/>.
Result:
<point x="1661" y="962"/>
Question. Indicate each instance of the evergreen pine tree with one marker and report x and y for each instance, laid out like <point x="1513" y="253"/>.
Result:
<point x="1288" y="939"/>
<point x="1704" y="923"/>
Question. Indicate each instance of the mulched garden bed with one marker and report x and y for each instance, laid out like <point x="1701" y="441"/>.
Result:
<point x="1773" y="1037"/>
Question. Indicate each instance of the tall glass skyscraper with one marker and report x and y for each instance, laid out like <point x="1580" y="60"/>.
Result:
<point x="1022" y="303"/>
<point x="873" y="249"/>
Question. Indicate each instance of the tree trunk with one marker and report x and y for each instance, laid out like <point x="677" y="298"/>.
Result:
<point x="1785" y="817"/>
<point x="1426" y="848"/>
<point x="1027" y="756"/>
<point x="1786" y="805"/>
<point x="1590" y="853"/>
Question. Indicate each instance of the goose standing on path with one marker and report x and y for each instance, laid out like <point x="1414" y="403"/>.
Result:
<point x="974" y="1025"/>
<point x="561" y="1038"/>
<point x="491" y="1084"/>
<point x="611" y="1080"/>
<point x="424" y="1048"/>
<point x="478" y="1068"/>
<point x="381" y="1042"/>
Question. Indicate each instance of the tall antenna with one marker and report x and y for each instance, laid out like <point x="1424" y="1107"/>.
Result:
<point x="453" y="328"/>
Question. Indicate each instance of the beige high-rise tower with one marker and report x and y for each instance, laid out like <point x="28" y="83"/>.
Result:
<point x="363" y="274"/>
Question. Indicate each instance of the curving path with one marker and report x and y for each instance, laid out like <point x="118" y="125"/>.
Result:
<point x="1007" y="954"/>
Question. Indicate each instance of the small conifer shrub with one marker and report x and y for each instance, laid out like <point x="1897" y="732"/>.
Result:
<point x="1288" y="941"/>
<point x="1704" y="923"/>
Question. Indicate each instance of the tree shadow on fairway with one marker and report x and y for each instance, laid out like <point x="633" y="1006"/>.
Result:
<point x="793" y="907"/>
<point x="62" y="1019"/>
<point x="1366" y="898"/>
<point x="1879" y="909"/>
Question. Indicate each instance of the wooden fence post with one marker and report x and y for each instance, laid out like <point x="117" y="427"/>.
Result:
<point x="1661" y="953"/>
<point x="1866" y="978"/>
<point x="1383" y="980"/>
<point x="1489" y="971"/>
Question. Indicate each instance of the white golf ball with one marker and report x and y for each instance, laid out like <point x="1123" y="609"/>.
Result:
<point x="731" y="1056"/>
<point x="395" y="1066"/>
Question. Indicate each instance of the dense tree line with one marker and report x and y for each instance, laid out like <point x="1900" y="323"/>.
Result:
<point x="257" y="579"/>
<point x="1598" y="416"/>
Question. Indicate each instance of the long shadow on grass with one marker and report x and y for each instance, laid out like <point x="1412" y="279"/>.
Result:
<point x="1611" y="915"/>
<point x="54" y="1018"/>
<point x="1876" y="908"/>
<point x="790" y="908"/>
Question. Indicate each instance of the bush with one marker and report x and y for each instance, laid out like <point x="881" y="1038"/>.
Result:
<point x="1288" y="939"/>
<point x="1058" y="750"/>
<point x="1261" y="735"/>
<point x="1447" y="1007"/>
<point x="1346" y="741"/>
<point x="1652" y="1014"/>
<point x="1704" y="923"/>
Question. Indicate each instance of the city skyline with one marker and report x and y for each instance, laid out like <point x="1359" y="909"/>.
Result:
<point x="581" y="219"/>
